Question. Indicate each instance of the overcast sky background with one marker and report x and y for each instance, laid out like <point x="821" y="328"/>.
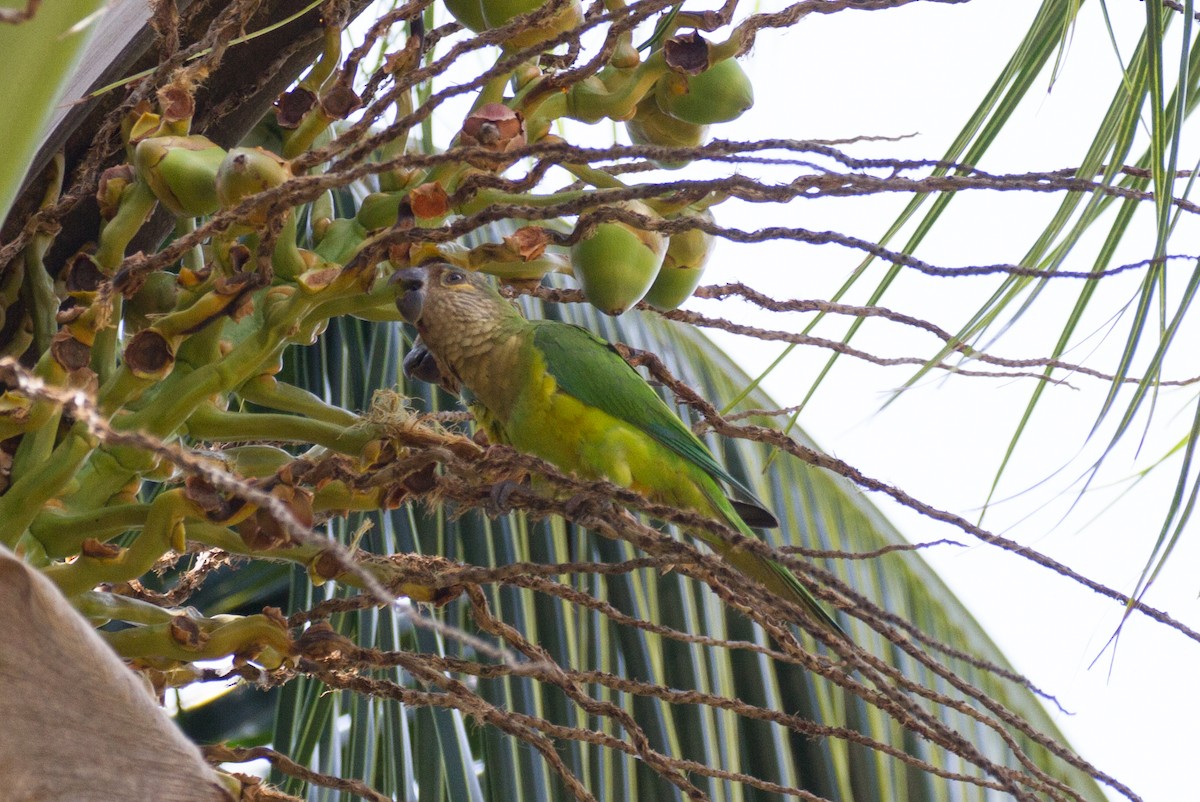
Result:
<point x="921" y="70"/>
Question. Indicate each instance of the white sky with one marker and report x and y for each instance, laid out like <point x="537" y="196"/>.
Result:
<point x="921" y="70"/>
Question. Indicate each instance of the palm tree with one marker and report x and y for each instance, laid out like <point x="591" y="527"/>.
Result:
<point x="209" y="446"/>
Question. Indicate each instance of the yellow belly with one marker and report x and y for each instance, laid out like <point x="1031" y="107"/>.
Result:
<point x="594" y="445"/>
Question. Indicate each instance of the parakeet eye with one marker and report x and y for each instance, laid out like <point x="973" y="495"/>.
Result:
<point x="454" y="277"/>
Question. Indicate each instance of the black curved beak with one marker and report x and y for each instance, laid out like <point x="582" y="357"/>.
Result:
<point x="411" y="301"/>
<point x="420" y="364"/>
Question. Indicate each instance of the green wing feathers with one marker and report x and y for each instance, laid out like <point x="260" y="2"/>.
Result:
<point x="590" y="370"/>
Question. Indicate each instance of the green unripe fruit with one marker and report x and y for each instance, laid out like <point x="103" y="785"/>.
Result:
<point x="379" y="209"/>
<point x="617" y="264"/>
<point x="342" y="238"/>
<point x="651" y="127"/>
<point x="156" y="297"/>
<point x="721" y="93"/>
<point x="468" y="13"/>
<point x="180" y="170"/>
<point x="682" y="268"/>
<point x="499" y="12"/>
<point x="248" y="171"/>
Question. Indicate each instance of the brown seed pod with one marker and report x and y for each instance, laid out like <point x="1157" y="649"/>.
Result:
<point x="494" y="126"/>
<point x="149" y="355"/>
<point x="291" y="106"/>
<point x="68" y="352"/>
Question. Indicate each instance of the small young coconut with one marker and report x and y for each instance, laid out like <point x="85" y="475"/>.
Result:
<point x="248" y="171"/>
<point x="683" y="266"/>
<point x="721" y="93"/>
<point x="650" y="126"/>
<point x="499" y="12"/>
<point x="618" y="263"/>
<point x="181" y="171"/>
<point x="468" y="13"/>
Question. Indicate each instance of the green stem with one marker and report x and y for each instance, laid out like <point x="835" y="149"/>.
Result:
<point x="286" y="259"/>
<point x="597" y="178"/>
<point x="161" y="532"/>
<point x="101" y="606"/>
<point x="179" y="395"/>
<point x="222" y="426"/>
<point x="38" y="292"/>
<point x="104" y="348"/>
<point x="26" y="497"/>
<point x="193" y="258"/>
<point x="220" y="537"/>
<point x="267" y="391"/>
<point x="331" y="54"/>
<point x="137" y="202"/>
<point x="254" y="634"/>
<point x="614" y="96"/>
<point x="488" y="197"/>
<point x="62" y="534"/>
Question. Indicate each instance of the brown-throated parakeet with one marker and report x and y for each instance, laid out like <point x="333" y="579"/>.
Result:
<point x="558" y="392"/>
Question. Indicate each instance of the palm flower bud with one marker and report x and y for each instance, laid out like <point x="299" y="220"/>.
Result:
<point x="291" y="106"/>
<point x="248" y="171"/>
<point x="180" y="171"/>
<point x="650" y="126"/>
<point x="721" y="93"/>
<point x="112" y="183"/>
<point x="683" y="266"/>
<point x="468" y="13"/>
<point x="499" y="12"/>
<point x="617" y="263"/>
<point x="177" y="105"/>
<point x="494" y="126"/>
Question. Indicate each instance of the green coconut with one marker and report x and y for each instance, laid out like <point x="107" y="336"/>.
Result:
<point x="721" y="93"/>
<point x="248" y="171"/>
<point x="683" y="267"/>
<point x="468" y="13"/>
<point x="499" y="12"/>
<point x="617" y="264"/>
<point x="181" y="171"/>
<point x="650" y="126"/>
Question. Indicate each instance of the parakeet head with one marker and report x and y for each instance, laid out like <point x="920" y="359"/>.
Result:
<point x="438" y="291"/>
<point x="462" y="320"/>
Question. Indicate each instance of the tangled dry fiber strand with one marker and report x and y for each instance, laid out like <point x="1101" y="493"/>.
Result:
<point x="201" y="408"/>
